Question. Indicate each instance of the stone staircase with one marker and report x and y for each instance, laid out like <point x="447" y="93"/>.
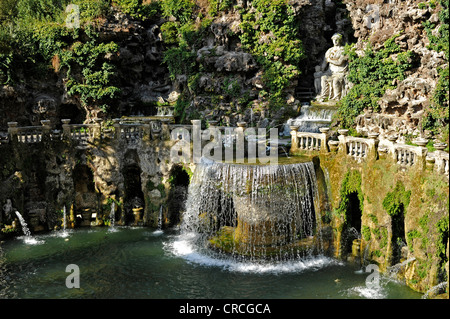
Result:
<point x="304" y="94"/>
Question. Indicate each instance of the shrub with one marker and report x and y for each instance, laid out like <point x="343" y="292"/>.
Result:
<point x="271" y="35"/>
<point x="372" y="74"/>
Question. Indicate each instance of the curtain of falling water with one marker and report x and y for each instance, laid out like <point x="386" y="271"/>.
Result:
<point x="275" y="205"/>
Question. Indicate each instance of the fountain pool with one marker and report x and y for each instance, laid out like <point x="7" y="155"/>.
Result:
<point x="141" y="263"/>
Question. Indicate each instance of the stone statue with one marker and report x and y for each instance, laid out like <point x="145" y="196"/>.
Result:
<point x="333" y="82"/>
<point x="7" y="208"/>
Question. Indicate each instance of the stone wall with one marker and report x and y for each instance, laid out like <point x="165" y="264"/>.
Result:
<point x="387" y="203"/>
<point x="86" y="175"/>
<point x="404" y="106"/>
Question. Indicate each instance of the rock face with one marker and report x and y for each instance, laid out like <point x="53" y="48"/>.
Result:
<point x="377" y="22"/>
<point x="230" y="81"/>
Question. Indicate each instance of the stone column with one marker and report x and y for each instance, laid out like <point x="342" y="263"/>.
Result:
<point x="343" y="141"/>
<point x="116" y="126"/>
<point x="13" y="130"/>
<point x="240" y="142"/>
<point x="66" y="128"/>
<point x="373" y="146"/>
<point x="324" y="139"/>
<point x="422" y="153"/>
<point x="196" y="140"/>
<point x="165" y="130"/>
<point x="147" y="129"/>
<point x="45" y="129"/>
<point x="294" y="138"/>
<point x="97" y="128"/>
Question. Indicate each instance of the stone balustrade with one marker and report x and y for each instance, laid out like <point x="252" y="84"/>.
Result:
<point x="132" y="133"/>
<point x="362" y="149"/>
<point x="28" y="134"/>
<point x="441" y="164"/>
<point x="357" y="148"/>
<point x="406" y="155"/>
<point x="305" y="141"/>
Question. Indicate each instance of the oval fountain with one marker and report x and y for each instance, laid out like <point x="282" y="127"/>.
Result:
<point x="262" y="214"/>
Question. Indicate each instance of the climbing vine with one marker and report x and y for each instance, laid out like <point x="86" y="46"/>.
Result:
<point x="371" y="75"/>
<point x="396" y="201"/>
<point x="437" y="115"/>
<point x="270" y="33"/>
<point x="350" y="184"/>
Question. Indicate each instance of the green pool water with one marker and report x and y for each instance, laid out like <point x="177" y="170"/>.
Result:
<point x="143" y="263"/>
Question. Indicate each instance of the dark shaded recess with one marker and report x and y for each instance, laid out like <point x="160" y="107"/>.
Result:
<point x="72" y="112"/>
<point x="398" y="234"/>
<point x="83" y="179"/>
<point x="179" y="183"/>
<point x="134" y="197"/>
<point x="353" y="220"/>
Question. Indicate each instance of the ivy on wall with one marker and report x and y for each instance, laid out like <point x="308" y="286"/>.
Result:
<point x="437" y="116"/>
<point x="372" y="74"/>
<point x="270" y="33"/>
<point x="350" y="184"/>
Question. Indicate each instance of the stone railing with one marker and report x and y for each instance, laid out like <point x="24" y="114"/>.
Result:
<point x="406" y="155"/>
<point x="362" y="149"/>
<point x="439" y="160"/>
<point x="357" y="148"/>
<point x="132" y="133"/>
<point x="28" y="134"/>
<point x="304" y="141"/>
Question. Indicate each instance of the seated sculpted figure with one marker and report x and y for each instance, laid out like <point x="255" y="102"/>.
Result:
<point x="333" y="80"/>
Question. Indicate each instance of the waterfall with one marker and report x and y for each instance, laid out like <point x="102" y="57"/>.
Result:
<point x="24" y="225"/>
<point x="64" y="219"/>
<point x="311" y="119"/>
<point x="254" y="211"/>
<point x="112" y="215"/>
<point x="433" y="291"/>
<point x="160" y="217"/>
<point x="393" y="270"/>
<point x="28" y="238"/>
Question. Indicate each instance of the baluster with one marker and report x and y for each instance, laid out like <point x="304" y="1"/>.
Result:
<point x="412" y="158"/>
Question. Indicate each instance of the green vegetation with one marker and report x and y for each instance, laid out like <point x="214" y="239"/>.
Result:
<point x="372" y="74"/>
<point x="137" y="9"/>
<point x="271" y="35"/>
<point x="396" y="201"/>
<point x="365" y="231"/>
<point x="436" y="118"/>
<point x="87" y="59"/>
<point x="350" y="184"/>
<point x="36" y="40"/>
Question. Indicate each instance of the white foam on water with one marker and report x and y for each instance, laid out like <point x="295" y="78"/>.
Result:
<point x="367" y="292"/>
<point x="183" y="246"/>
<point x="157" y="232"/>
<point x="31" y="240"/>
